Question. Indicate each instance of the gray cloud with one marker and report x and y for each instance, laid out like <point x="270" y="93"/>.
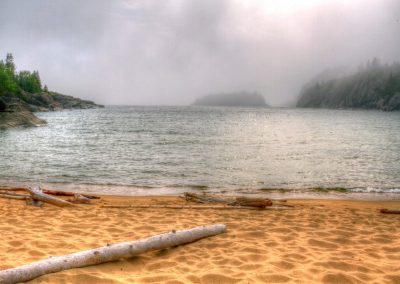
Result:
<point x="170" y="52"/>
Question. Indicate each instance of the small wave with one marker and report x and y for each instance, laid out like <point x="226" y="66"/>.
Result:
<point x="189" y="186"/>
<point x="268" y="189"/>
<point x="330" y="189"/>
<point x="375" y="190"/>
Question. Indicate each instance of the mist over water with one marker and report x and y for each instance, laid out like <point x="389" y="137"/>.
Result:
<point x="172" y="52"/>
<point x="131" y="150"/>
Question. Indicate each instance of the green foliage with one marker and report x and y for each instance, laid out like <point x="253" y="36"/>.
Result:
<point x="29" y="82"/>
<point x="10" y="63"/>
<point x="374" y="86"/>
<point x="7" y="80"/>
<point x="12" y="82"/>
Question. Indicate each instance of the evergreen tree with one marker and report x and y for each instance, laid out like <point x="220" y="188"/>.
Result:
<point x="7" y="82"/>
<point x="10" y="63"/>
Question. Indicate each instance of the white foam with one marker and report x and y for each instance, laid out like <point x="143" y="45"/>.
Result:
<point x="375" y="190"/>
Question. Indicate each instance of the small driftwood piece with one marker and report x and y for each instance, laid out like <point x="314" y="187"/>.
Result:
<point x="81" y="199"/>
<point x="33" y="202"/>
<point x="107" y="253"/>
<point x="390" y="211"/>
<point x="37" y="194"/>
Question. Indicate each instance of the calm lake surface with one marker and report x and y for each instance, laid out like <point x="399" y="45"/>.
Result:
<point x="152" y="150"/>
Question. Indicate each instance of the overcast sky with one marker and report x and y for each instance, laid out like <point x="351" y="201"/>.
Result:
<point x="171" y="52"/>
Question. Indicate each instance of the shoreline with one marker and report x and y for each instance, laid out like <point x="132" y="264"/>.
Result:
<point x="328" y="241"/>
<point x="137" y="191"/>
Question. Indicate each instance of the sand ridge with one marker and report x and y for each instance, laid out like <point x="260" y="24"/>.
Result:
<point x="319" y="242"/>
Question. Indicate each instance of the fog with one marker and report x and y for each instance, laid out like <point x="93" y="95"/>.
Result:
<point x="172" y="52"/>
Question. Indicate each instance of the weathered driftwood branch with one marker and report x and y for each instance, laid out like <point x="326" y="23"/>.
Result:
<point x="37" y="194"/>
<point x="107" y="253"/>
<point x="12" y="189"/>
<point x="133" y="206"/>
<point x="14" y="196"/>
<point x="78" y="198"/>
<point x="66" y="193"/>
<point x="390" y="211"/>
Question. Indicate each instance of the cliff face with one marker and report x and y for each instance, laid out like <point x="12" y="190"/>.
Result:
<point x="242" y="99"/>
<point x="374" y="87"/>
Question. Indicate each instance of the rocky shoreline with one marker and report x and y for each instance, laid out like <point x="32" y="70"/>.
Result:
<point x="19" y="111"/>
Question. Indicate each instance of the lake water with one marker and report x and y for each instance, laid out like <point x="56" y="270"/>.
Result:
<point x="152" y="150"/>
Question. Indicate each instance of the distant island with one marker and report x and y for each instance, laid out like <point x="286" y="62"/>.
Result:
<point x="374" y="86"/>
<point x="235" y="99"/>
<point x="22" y="93"/>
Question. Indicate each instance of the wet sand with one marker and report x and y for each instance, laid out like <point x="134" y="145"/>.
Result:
<point x="320" y="241"/>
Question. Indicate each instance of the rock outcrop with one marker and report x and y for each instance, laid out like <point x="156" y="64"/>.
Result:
<point x="18" y="115"/>
<point x="18" y="111"/>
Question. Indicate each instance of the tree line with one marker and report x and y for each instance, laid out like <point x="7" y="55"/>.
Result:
<point x="11" y="81"/>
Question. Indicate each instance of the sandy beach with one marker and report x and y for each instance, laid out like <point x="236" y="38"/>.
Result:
<point x="320" y="241"/>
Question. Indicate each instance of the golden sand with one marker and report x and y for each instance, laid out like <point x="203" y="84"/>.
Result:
<point x="318" y="242"/>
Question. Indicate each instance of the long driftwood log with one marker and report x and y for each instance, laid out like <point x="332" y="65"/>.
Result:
<point x="215" y="207"/>
<point x="107" y="253"/>
<point x="212" y="207"/>
<point x="390" y="211"/>
<point x="37" y="194"/>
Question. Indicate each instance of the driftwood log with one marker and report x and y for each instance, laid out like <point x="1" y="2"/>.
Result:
<point x="214" y="207"/>
<point x="390" y="211"/>
<point x="238" y="201"/>
<point x="107" y="253"/>
<point x="252" y="202"/>
<point x="37" y="194"/>
<point x="67" y="193"/>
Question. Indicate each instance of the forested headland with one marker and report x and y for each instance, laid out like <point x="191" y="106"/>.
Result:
<point x="22" y="92"/>
<point x="373" y="86"/>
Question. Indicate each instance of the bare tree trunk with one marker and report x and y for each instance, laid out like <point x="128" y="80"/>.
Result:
<point x="37" y="194"/>
<point x="107" y="253"/>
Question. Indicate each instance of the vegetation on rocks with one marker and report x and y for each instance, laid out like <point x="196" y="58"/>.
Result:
<point x="22" y="93"/>
<point x="374" y="86"/>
